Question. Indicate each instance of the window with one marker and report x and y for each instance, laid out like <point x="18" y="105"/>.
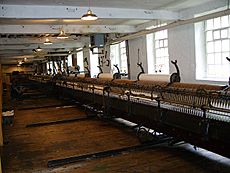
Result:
<point x="69" y="59"/>
<point x="49" y="68"/>
<point x="94" y="70"/>
<point x="80" y="62"/>
<point x="157" y="52"/>
<point x="217" y="47"/>
<point x="118" y="56"/>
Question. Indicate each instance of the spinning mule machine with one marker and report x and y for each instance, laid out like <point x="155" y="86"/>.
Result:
<point x="195" y="113"/>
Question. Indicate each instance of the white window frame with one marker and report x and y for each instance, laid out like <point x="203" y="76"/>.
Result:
<point x="118" y="55"/>
<point x="203" y="64"/>
<point x="94" y="62"/>
<point x="80" y="60"/>
<point x="69" y="59"/>
<point x="159" y="52"/>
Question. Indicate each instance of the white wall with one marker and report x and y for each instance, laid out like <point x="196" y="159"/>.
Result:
<point x="86" y="55"/>
<point x="134" y="45"/>
<point x="182" y="48"/>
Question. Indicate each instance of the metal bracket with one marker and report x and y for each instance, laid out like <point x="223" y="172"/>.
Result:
<point x="83" y="118"/>
<point x="139" y="64"/>
<point x="103" y="154"/>
<point x="118" y="74"/>
<point x="175" y="77"/>
<point x="101" y="71"/>
<point x="142" y="70"/>
<point x="88" y="72"/>
<point x="86" y="61"/>
<point x="40" y="107"/>
<point x="229" y="76"/>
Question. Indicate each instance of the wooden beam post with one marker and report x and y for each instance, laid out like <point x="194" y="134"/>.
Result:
<point x="1" y="90"/>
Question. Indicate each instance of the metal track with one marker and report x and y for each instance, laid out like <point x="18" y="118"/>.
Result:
<point x="60" y="121"/>
<point x="108" y="153"/>
<point x="45" y="106"/>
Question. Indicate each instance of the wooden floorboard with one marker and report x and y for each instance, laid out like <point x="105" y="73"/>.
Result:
<point x="27" y="150"/>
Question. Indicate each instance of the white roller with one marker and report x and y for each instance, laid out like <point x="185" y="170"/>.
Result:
<point x="71" y="75"/>
<point x="81" y="75"/>
<point x="155" y="77"/>
<point x="106" y="76"/>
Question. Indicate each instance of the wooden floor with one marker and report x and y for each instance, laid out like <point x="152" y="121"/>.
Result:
<point x="27" y="150"/>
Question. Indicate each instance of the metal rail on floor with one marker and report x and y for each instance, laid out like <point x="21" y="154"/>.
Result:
<point x="108" y="153"/>
<point x="45" y="106"/>
<point x="60" y="121"/>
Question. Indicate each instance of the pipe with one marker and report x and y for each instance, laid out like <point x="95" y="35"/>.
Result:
<point x="172" y="25"/>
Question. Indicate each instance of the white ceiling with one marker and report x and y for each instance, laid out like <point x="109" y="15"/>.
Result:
<point x="24" y="24"/>
<point x="132" y="4"/>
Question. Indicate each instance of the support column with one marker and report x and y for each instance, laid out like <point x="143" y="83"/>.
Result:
<point x="74" y="59"/>
<point x="1" y="136"/>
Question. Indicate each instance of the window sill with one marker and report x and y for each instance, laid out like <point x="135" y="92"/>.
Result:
<point x="213" y="81"/>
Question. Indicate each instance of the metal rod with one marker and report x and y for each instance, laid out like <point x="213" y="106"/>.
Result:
<point x="46" y="106"/>
<point x="172" y="25"/>
<point x="102" y="154"/>
<point x="60" y="121"/>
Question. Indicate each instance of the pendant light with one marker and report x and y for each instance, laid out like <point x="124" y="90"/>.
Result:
<point x="47" y="42"/>
<point x="38" y="49"/>
<point x="89" y="15"/>
<point x="62" y="35"/>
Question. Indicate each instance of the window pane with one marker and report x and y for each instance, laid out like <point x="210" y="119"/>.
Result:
<point x="160" y="52"/>
<point x="118" y="56"/>
<point x="224" y="21"/>
<point x="209" y="36"/>
<point x="69" y="59"/>
<point x="216" y="34"/>
<point x="217" y="23"/>
<point x="209" y="24"/>
<point x="217" y="46"/>
<point x="80" y="62"/>
<point x="224" y="60"/>
<point x="166" y="52"/>
<point x="157" y="35"/>
<point x="94" y="63"/>
<point x="122" y="44"/>
<point x="224" y="33"/>
<point x="211" y="70"/>
<point x="225" y="70"/>
<point x="165" y="43"/>
<point x="217" y="58"/>
<point x="166" y="33"/>
<point x="157" y="44"/>
<point x="159" y="61"/>
<point x="225" y="45"/>
<point x="210" y="47"/>
<point x="218" y="69"/>
<point x="161" y="43"/>
<point x="210" y="59"/>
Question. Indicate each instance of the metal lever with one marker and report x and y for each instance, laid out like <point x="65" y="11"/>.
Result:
<point x="142" y="70"/>
<point x="86" y="61"/>
<point x="88" y="74"/>
<point x="101" y="71"/>
<point x="118" y="74"/>
<point x="229" y="76"/>
<point x="175" y="77"/>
